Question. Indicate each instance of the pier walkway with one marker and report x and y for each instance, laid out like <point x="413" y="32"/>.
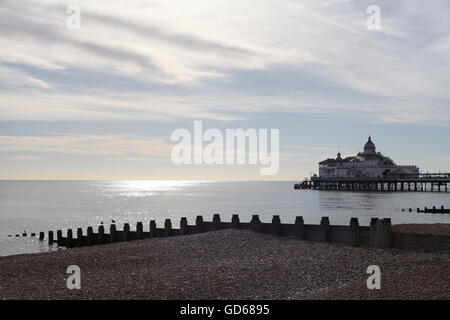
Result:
<point x="438" y="182"/>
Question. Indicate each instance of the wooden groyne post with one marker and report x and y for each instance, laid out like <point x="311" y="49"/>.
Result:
<point x="235" y="221"/>
<point x="153" y="233"/>
<point x="354" y="226"/>
<point x="255" y="223"/>
<point x="199" y="224"/>
<point x="299" y="227"/>
<point x="378" y="235"/>
<point x="183" y="226"/>
<point x="167" y="228"/>
<point x="101" y="234"/>
<point x="276" y="225"/>
<point x="325" y="225"/>
<point x="126" y="232"/>
<point x="112" y="233"/>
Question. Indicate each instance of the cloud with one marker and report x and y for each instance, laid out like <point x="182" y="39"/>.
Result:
<point x="113" y="146"/>
<point x="11" y="78"/>
<point x="23" y="158"/>
<point x="215" y="60"/>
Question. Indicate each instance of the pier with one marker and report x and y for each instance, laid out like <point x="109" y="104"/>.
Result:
<point x="437" y="182"/>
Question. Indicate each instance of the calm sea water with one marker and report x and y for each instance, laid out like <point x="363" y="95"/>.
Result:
<point x="36" y="206"/>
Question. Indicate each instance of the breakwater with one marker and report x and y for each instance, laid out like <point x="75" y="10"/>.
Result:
<point x="378" y="234"/>
<point x="430" y="210"/>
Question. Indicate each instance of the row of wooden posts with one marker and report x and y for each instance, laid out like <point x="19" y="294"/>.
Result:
<point x="431" y="210"/>
<point x="378" y="234"/>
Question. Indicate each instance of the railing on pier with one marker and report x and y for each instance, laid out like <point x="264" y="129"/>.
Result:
<point x="423" y="182"/>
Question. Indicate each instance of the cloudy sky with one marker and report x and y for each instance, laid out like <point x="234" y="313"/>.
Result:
<point x="101" y="102"/>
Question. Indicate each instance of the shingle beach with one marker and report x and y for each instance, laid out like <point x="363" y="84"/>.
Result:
<point x="229" y="264"/>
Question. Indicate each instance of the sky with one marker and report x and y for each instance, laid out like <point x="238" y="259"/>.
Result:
<point x="101" y="101"/>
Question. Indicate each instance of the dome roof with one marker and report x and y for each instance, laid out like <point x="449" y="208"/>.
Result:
<point x="369" y="147"/>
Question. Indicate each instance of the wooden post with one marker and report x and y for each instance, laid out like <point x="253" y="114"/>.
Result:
<point x="373" y="232"/>
<point x="69" y="240"/>
<point x="216" y="222"/>
<point x="379" y="239"/>
<point x="41" y="236"/>
<point x="325" y="224"/>
<point x="79" y="237"/>
<point x="140" y="230"/>
<point x="101" y="234"/>
<point x="184" y="226"/>
<point x="90" y="236"/>
<point x="235" y="221"/>
<point x="126" y="232"/>
<point x="299" y="228"/>
<point x="153" y="229"/>
<point x="387" y="232"/>
<point x="276" y="225"/>
<point x="112" y="233"/>
<point x="59" y="237"/>
<point x="50" y="237"/>
<point x="255" y="223"/>
<point x="199" y="224"/>
<point x="167" y="228"/>
<point x="354" y="226"/>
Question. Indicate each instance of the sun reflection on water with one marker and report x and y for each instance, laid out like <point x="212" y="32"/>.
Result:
<point x="143" y="188"/>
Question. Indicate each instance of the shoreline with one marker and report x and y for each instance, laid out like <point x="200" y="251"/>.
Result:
<point x="228" y="264"/>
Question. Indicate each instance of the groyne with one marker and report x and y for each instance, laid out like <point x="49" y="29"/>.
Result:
<point x="378" y="234"/>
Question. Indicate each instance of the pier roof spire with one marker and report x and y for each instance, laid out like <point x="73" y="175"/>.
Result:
<point x="369" y="147"/>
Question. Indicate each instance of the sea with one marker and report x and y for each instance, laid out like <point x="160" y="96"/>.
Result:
<point x="34" y="206"/>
